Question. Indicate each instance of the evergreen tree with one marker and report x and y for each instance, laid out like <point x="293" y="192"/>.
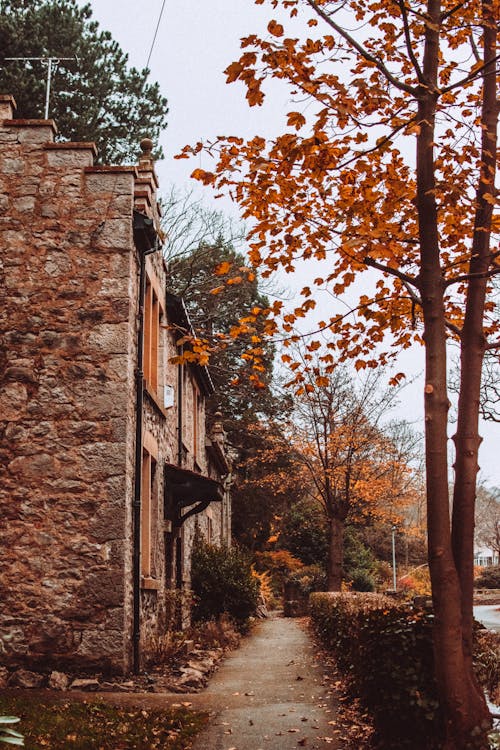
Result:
<point x="94" y="98"/>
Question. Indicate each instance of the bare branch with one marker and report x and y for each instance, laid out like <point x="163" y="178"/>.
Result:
<point x="409" y="45"/>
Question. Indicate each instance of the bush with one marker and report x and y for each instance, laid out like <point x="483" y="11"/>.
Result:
<point x="417" y="582"/>
<point x="362" y="580"/>
<point x="304" y="533"/>
<point x="309" y="578"/>
<point x="385" y="651"/>
<point x="487" y="662"/>
<point x="222" y="582"/>
<point x="489" y="578"/>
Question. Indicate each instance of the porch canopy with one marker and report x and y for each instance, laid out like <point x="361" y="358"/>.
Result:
<point x="185" y="488"/>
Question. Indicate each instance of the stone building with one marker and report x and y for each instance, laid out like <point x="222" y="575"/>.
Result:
<point x="98" y="507"/>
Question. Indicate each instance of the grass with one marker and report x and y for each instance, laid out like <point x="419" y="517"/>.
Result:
<point x="72" y="725"/>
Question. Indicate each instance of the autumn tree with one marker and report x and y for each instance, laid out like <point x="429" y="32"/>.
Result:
<point x="95" y="96"/>
<point x="388" y="165"/>
<point x="356" y="471"/>
<point x="267" y="483"/>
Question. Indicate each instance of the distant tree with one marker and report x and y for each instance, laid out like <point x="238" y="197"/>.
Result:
<point x="488" y="518"/>
<point x="268" y="480"/>
<point x="356" y="468"/>
<point x="219" y="290"/>
<point x="96" y="98"/>
<point x="304" y="532"/>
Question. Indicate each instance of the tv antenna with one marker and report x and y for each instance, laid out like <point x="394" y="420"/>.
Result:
<point x="50" y="62"/>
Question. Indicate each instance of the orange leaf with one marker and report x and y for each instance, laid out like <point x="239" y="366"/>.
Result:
<point x="222" y="268"/>
<point x="274" y="28"/>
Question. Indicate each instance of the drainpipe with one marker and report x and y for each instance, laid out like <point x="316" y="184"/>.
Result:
<point x="180" y="408"/>
<point x="147" y="243"/>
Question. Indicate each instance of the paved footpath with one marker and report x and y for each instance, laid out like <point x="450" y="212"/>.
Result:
<point x="269" y="694"/>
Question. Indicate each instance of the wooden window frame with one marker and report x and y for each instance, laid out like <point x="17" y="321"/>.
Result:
<point x="149" y="510"/>
<point x="154" y="309"/>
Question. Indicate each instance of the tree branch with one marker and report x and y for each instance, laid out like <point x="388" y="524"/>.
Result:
<point x="470" y="77"/>
<point x="391" y="271"/>
<point x="470" y="276"/>
<point x="409" y="46"/>
<point x="361" y="50"/>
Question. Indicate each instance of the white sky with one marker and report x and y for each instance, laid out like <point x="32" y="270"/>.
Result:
<point x="196" y="41"/>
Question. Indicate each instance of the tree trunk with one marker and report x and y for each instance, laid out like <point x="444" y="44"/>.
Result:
<point x="473" y="343"/>
<point x="335" y="553"/>
<point x="457" y="694"/>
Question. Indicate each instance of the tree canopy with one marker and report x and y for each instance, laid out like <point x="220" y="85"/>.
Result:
<point x="96" y="97"/>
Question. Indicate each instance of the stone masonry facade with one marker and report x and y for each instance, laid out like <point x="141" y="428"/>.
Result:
<point x="69" y="327"/>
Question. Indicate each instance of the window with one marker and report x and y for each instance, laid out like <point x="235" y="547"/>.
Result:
<point x="153" y="310"/>
<point x="149" y="507"/>
<point x="196" y="422"/>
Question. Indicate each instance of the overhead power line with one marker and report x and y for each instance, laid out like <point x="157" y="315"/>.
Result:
<point x="156" y="33"/>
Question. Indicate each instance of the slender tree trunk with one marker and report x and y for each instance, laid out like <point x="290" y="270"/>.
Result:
<point x="473" y="343"/>
<point x="335" y="553"/>
<point x="458" y="698"/>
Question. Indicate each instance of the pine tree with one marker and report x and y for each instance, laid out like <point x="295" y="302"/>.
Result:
<point x="94" y="98"/>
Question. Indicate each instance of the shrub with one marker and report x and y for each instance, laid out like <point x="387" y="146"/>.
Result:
<point x="487" y="662"/>
<point x="489" y="578"/>
<point x="222" y="582"/>
<point x="309" y="578"/>
<point x="417" y="582"/>
<point x="385" y="650"/>
<point x="362" y="580"/>
<point x="278" y="564"/>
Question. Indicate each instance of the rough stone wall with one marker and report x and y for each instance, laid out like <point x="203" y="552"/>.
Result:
<point x="68" y="350"/>
<point x="67" y="328"/>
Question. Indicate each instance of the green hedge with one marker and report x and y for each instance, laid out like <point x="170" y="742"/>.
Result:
<point x="384" y="648"/>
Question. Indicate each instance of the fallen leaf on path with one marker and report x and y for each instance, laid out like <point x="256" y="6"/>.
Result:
<point x="302" y="742"/>
<point x="293" y="730"/>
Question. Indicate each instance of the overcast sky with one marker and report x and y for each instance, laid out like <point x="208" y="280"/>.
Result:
<point x="196" y="41"/>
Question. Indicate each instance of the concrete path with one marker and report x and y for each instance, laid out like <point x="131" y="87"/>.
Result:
<point x="269" y="694"/>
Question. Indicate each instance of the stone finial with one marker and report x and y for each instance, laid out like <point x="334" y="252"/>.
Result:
<point x="218" y="431"/>
<point x="147" y="146"/>
<point x="146" y="157"/>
